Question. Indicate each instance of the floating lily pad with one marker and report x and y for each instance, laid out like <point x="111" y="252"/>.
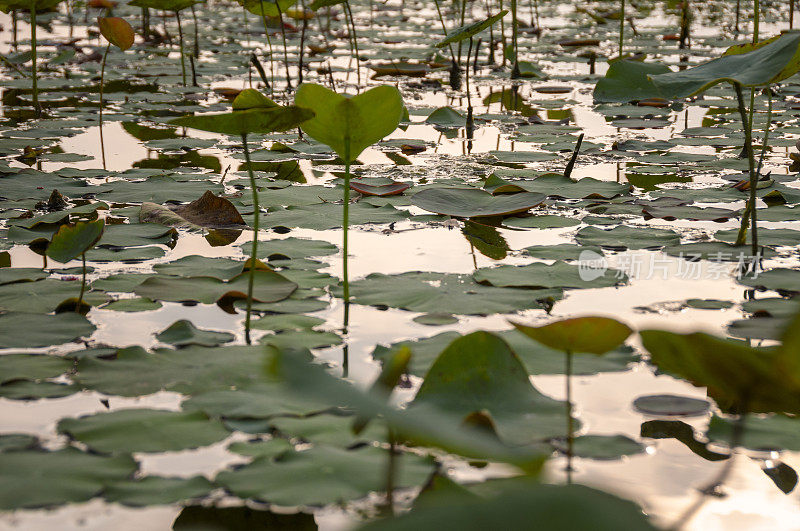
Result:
<point x="435" y="319"/>
<point x="31" y="367"/>
<point x="440" y="292"/>
<point x="155" y="490"/>
<point x="257" y="400"/>
<point x="539" y="275"/>
<point x="604" y="447"/>
<point x="182" y="333"/>
<point x="268" y="287"/>
<point x="32" y="479"/>
<point x="136" y="372"/>
<point x="561" y="251"/>
<point x="321" y="475"/>
<point x="27" y="330"/>
<point x="333" y="430"/>
<point x="624" y="237"/>
<point x="143" y="430"/>
<point x="671" y="405"/>
<point x="472" y="202"/>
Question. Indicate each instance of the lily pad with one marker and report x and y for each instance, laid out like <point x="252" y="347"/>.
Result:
<point x="671" y="405"/>
<point x="479" y="372"/>
<point x="321" y="475"/>
<point x="32" y="479"/>
<point x="539" y="275"/>
<point x="156" y="490"/>
<point x="268" y="287"/>
<point x="182" y="333"/>
<point x="624" y="237"/>
<point x="440" y="292"/>
<point x="143" y="430"/>
<point x="28" y="330"/>
<point x="472" y="202"/>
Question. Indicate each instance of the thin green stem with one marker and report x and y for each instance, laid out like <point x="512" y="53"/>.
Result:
<point x="36" y="106"/>
<point x="196" y="33"/>
<point x="102" y="86"/>
<point x="621" y="26"/>
<point x="345" y="224"/>
<point x="444" y="29"/>
<point x="748" y="146"/>
<point x="83" y="284"/>
<point x="765" y="143"/>
<point x="180" y="38"/>
<point x="285" y="51"/>
<point x="570" y="420"/>
<point x="14" y="41"/>
<point x="514" y="28"/>
<point x="391" y="469"/>
<point x="463" y="15"/>
<point x="756" y="17"/>
<point x="269" y="46"/>
<point x="254" y="247"/>
<point x="470" y="121"/>
<point x="355" y="41"/>
<point x="303" y="43"/>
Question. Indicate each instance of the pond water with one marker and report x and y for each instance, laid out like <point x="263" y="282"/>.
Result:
<point x="645" y="172"/>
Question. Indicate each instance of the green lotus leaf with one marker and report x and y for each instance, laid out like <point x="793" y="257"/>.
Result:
<point x="143" y="430"/>
<point x="71" y="241"/>
<point x="156" y="490"/>
<point x="595" y="335"/>
<point x="254" y="120"/>
<point x="322" y="475"/>
<point x="470" y="30"/>
<point x="480" y="372"/>
<point x="32" y="479"/>
<point x="350" y="124"/>
<point x="472" y="202"/>
<point x="750" y="66"/>
<point x="519" y="502"/>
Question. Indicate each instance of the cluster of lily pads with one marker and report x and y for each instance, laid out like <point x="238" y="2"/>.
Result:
<point x="252" y="253"/>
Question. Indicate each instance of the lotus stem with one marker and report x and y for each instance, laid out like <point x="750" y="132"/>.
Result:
<point x="196" y="33"/>
<point x="285" y="52"/>
<point x="180" y="39"/>
<point x="570" y="420"/>
<point x="470" y="120"/>
<point x="685" y="25"/>
<point x="791" y="14"/>
<point x="102" y="85"/>
<point x="36" y="107"/>
<point x="514" y="29"/>
<point x="574" y="158"/>
<point x="303" y="43"/>
<point x="765" y="143"/>
<point x="444" y="29"/>
<point x="736" y="23"/>
<point x="345" y="224"/>
<point x="14" y="30"/>
<point x="83" y="283"/>
<point x="502" y="36"/>
<point x="254" y="247"/>
<point x="355" y="41"/>
<point x="756" y="17"/>
<point x="748" y="146"/>
<point x="271" y="85"/>
<point x="621" y="26"/>
<point x="145" y="23"/>
<point x="391" y="469"/>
